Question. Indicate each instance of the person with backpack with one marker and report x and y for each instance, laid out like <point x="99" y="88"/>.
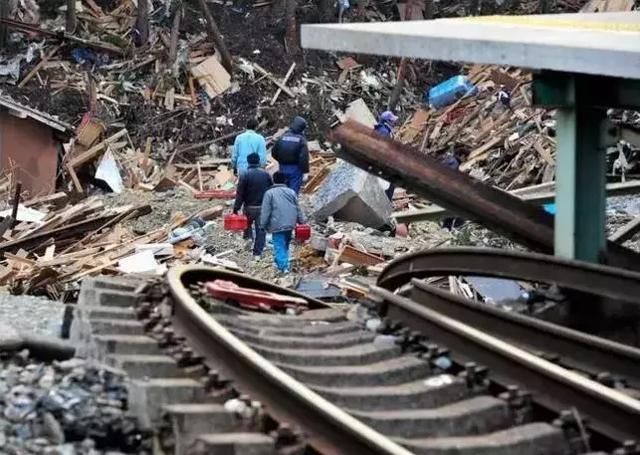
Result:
<point x="292" y="154"/>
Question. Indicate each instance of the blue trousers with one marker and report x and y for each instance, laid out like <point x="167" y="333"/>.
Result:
<point x="294" y="176"/>
<point x="259" y="236"/>
<point x="281" y="241"/>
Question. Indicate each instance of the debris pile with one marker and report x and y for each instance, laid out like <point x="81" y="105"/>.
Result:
<point x="64" y="407"/>
<point x="494" y="132"/>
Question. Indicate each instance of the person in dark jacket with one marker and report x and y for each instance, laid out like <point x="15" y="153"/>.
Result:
<point x="279" y="215"/>
<point x="384" y="127"/>
<point x="252" y="186"/>
<point x="292" y="154"/>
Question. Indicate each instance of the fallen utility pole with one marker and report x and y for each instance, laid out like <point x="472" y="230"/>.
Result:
<point x="435" y="212"/>
<point x="142" y="22"/>
<point x="502" y="212"/>
<point x="214" y="33"/>
<point x="71" y="22"/>
<point x="175" y="31"/>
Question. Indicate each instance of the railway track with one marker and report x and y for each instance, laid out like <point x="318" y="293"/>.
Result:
<point x="372" y="386"/>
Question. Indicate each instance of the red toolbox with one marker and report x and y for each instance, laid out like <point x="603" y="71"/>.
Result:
<point x="302" y="232"/>
<point x="233" y="222"/>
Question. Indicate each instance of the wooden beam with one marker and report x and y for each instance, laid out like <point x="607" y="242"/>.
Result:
<point x="627" y="231"/>
<point x="215" y="35"/>
<point x="284" y="82"/>
<point x="436" y="212"/>
<point x="273" y="79"/>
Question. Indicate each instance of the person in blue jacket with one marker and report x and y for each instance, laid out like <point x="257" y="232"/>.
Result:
<point x="249" y="194"/>
<point x="384" y="127"/>
<point x="245" y="144"/>
<point x="292" y="154"/>
<point x="279" y="214"/>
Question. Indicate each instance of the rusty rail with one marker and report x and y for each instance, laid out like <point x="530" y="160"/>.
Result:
<point x="524" y="223"/>
<point x="602" y="280"/>
<point x="608" y="411"/>
<point x="329" y="429"/>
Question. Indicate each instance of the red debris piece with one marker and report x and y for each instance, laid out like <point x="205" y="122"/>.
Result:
<point x="252" y="299"/>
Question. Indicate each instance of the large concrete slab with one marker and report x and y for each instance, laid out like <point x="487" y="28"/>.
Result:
<point x="351" y="194"/>
<point x="607" y="44"/>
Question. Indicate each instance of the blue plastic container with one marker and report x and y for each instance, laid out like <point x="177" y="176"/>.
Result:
<point x="450" y="91"/>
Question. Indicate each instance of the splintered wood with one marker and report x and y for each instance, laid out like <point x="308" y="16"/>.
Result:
<point x="61" y="245"/>
<point x="212" y="76"/>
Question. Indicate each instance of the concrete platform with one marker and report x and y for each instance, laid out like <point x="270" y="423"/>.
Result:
<point x="605" y="44"/>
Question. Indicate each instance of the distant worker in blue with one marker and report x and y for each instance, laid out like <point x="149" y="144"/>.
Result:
<point x="252" y="186"/>
<point x="245" y="144"/>
<point x="384" y="127"/>
<point x="292" y="154"/>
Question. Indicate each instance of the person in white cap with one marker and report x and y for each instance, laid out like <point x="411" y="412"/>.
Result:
<point x="384" y="127"/>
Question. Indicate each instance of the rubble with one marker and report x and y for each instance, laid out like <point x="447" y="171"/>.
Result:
<point x="64" y="407"/>
<point x="351" y="194"/>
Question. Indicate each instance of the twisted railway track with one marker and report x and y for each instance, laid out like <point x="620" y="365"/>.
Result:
<point x="425" y="372"/>
<point x="352" y="393"/>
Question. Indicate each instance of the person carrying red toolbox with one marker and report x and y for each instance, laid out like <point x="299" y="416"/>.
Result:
<point x="279" y="215"/>
<point x="250" y="192"/>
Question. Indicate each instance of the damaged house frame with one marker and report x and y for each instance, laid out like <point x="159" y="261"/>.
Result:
<point x="31" y="146"/>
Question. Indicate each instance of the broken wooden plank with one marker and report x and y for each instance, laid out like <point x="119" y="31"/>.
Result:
<point x="39" y="66"/>
<point x="212" y="76"/>
<point x="93" y="152"/>
<point x="627" y="231"/>
<point x="356" y="257"/>
<point x="64" y="232"/>
<point x="273" y="79"/>
<point x="284" y="82"/>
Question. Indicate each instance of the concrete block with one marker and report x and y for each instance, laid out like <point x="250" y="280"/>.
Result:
<point x="351" y="194"/>
<point x="104" y="345"/>
<point x="192" y="420"/>
<point x="140" y="366"/>
<point x="10" y="339"/>
<point x="147" y="398"/>
<point x="113" y="298"/>
<point x="114" y="327"/>
<point x="530" y="439"/>
<point x="234" y="444"/>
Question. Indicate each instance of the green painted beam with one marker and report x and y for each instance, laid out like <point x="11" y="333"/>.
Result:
<point x="580" y="173"/>
<point x="552" y="89"/>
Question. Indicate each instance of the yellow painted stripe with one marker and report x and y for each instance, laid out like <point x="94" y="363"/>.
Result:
<point x="558" y="23"/>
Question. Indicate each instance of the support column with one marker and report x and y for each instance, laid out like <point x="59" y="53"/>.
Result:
<point x="580" y="185"/>
<point x="580" y="162"/>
